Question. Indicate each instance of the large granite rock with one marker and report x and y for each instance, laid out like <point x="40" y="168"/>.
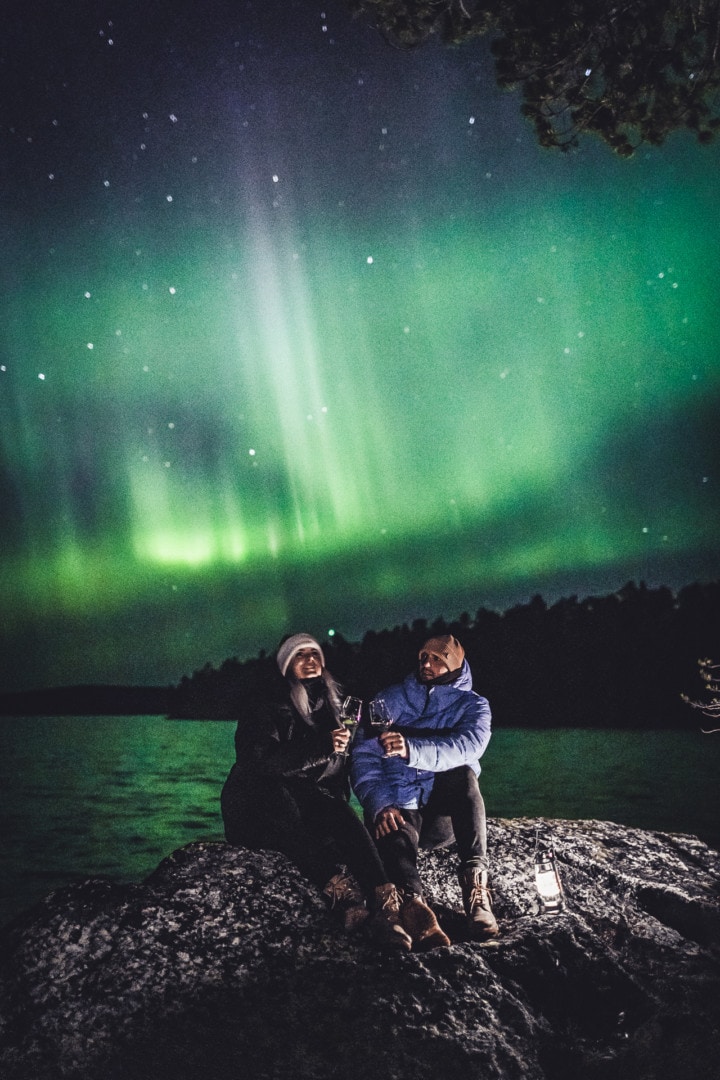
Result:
<point x="225" y="963"/>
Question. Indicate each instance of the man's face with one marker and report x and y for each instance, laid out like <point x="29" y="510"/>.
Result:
<point x="306" y="664"/>
<point x="431" y="666"/>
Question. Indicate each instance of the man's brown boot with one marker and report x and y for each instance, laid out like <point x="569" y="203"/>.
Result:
<point x="421" y="924"/>
<point x="476" y="901"/>
<point x="384" y="924"/>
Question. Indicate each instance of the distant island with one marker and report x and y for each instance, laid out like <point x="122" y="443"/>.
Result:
<point x="616" y="661"/>
<point x="89" y="701"/>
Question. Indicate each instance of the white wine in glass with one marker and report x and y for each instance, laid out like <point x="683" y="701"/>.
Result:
<point x="350" y="712"/>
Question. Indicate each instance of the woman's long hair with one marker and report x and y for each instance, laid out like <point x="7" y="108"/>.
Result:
<point x="301" y="701"/>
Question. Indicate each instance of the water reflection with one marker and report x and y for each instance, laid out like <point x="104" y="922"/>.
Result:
<point x="91" y="796"/>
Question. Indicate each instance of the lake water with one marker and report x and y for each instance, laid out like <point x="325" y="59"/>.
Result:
<point x="113" y="796"/>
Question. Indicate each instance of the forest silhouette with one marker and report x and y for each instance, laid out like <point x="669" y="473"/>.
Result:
<point x="618" y="661"/>
<point x="630" y="74"/>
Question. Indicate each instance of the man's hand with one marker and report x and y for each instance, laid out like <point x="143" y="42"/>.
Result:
<point x="388" y="821"/>
<point x="393" y="743"/>
<point x="340" y="739"/>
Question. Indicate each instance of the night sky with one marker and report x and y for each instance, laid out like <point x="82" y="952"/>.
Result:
<point x="300" y="331"/>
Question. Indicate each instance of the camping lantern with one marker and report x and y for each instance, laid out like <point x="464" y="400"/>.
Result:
<point x="547" y="878"/>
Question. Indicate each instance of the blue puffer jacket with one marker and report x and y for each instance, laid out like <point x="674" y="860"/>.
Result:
<point x="444" y="726"/>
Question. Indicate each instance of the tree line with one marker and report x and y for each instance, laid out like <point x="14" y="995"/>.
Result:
<point x="618" y="661"/>
<point x="627" y="71"/>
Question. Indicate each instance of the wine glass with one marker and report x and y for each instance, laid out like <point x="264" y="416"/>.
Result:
<point x="350" y="712"/>
<point x="380" y="718"/>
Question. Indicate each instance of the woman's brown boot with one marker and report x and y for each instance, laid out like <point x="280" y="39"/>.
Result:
<point x="345" y="897"/>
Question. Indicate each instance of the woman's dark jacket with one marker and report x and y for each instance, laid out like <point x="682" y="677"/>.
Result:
<point x="276" y="750"/>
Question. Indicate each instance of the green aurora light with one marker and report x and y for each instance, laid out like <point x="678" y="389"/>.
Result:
<point x="215" y="430"/>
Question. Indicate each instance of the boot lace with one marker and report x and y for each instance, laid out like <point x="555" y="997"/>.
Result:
<point x="341" y="889"/>
<point x="478" y="894"/>
<point x="390" y="901"/>
<point x="480" y="897"/>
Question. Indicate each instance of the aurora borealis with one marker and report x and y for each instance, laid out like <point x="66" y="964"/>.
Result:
<point x="303" y="331"/>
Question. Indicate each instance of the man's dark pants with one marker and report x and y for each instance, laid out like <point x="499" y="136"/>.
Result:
<point x="456" y="810"/>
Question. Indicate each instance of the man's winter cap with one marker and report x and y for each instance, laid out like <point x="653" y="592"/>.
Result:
<point x="290" y="648"/>
<point x="448" y="647"/>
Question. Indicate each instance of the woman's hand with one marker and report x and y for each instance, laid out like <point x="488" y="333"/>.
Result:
<point x="388" y="821"/>
<point x="340" y="739"/>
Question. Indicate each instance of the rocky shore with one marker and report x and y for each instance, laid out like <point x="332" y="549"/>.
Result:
<point x="226" y="963"/>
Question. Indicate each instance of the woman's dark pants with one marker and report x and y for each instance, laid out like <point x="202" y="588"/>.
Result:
<point x="315" y="829"/>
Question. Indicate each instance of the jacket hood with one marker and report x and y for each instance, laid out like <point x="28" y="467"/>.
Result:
<point x="463" y="681"/>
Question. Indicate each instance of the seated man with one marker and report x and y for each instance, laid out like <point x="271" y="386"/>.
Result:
<point x="419" y="777"/>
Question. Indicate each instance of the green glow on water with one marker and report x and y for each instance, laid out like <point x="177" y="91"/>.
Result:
<point x="160" y="782"/>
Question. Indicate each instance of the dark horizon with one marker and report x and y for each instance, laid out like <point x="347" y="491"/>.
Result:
<point x="197" y="659"/>
<point x="626" y="660"/>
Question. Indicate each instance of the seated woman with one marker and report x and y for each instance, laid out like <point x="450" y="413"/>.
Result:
<point x="288" y="790"/>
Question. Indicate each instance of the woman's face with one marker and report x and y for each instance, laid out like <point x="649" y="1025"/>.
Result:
<point x="306" y="664"/>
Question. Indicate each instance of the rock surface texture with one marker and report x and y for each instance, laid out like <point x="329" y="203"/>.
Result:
<point x="225" y="963"/>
